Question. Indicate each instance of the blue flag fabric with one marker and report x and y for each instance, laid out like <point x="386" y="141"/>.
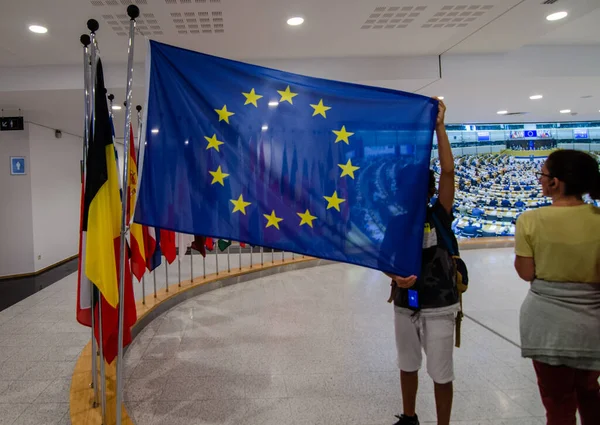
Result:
<point x="323" y="168"/>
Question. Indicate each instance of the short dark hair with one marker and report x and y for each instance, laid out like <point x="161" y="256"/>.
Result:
<point x="431" y="181"/>
<point x="577" y="170"/>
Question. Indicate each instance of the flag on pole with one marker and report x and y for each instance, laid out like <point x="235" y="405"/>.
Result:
<point x="168" y="245"/>
<point x="101" y="217"/>
<point x="152" y="247"/>
<point x="84" y="286"/>
<point x="205" y="117"/>
<point x="223" y="244"/>
<point x="102" y="202"/>
<point x="199" y="244"/>
<point x="136" y="236"/>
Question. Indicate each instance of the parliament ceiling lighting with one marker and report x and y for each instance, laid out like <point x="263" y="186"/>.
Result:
<point x="116" y="107"/>
<point x="440" y="97"/>
<point x="557" y="16"/>
<point x="502" y="112"/>
<point x="565" y="111"/>
<point x="38" y="29"/>
<point x="295" y="21"/>
<point x="536" y="97"/>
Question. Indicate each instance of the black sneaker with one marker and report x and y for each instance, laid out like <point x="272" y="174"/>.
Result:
<point x="407" y="420"/>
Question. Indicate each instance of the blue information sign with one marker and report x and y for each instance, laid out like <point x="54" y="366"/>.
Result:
<point x="17" y="165"/>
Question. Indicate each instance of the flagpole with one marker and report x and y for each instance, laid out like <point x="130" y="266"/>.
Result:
<point x="251" y="253"/>
<point x="179" y="259"/>
<point x="262" y="256"/>
<point x="166" y="274"/>
<point x="93" y="26"/>
<point x="85" y="41"/>
<point x="228" y="263"/>
<point x="282" y="256"/>
<point x="133" y="12"/>
<point x="138" y="108"/>
<point x="273" y="255"/>
<point x="192" y="264"/>
<point x="240" y="253"/>
<point x="154" y="277"/>
<point x="204" y="267"/>
<point x="217" y="258"/>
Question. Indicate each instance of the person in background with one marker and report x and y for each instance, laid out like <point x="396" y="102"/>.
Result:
<point x="558" y="250"/>
<point x="429" y="327"/>
<point x="519" y="203"/>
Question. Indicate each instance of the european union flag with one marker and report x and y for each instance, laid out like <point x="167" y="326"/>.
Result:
<point x="323" y="168"/>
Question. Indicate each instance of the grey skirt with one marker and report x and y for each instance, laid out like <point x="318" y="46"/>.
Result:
<point x="560" y="324"/>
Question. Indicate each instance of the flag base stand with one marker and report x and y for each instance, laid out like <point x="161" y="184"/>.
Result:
<point x="81" y="395"/>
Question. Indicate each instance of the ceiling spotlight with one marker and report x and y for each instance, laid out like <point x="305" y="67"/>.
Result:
<point x="557" y="16"/>
<point x="154" y="131"/>
<point x="273" y="104"/>
<point x="295" y="21"/>
<point x="264" y="127"/>
<point x="565" y="111"/>
<point x="536" y="97"/>
<point x="116" y="107"/>
<point x="502" y="112"/>
<point x="38" y="29"/>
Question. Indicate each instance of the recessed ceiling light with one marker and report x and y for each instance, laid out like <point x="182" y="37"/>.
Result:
<point x="440" y="97"/>
<point x="273" y="104"/>
<point x="38" y="29"/>
<point x="565" y="111"/>
<point x="536" y="97"/>
<point x="264" y="127"/>
<point x="295" y="21"/>
<point x="502" y="112"/>
<point x="116" y="107"/>
<point x="557" y="16"/>
<point x="154" y="131"/>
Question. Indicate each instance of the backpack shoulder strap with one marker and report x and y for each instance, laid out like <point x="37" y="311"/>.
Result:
<point x="448" y="241"/>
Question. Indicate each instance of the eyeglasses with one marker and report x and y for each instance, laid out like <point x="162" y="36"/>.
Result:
<point x="539" y="174"/>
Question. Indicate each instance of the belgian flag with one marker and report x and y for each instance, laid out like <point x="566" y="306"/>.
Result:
<point x="102" y="201"/>
<point x="101" y="225"/>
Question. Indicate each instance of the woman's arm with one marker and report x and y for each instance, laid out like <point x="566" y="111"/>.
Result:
<point x="525" y="267"/>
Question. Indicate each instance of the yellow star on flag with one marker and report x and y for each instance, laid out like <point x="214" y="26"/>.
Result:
<point x="334" y="201"/>
<point x="218" y="176"/>
<point x="239" y="205"/>
<point x="273" y="220"/>
<point x="252" y="97"/>
<point x="342" y="135"/>
<point x="224" y="114"/>
<point x="287" y="95"/>
<point x="306" y="218"/>
<point x="213" y="142"/>
<point x="320" y="109"/>
<point x="348" y="169"/>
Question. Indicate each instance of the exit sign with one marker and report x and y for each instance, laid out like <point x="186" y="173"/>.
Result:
<point x="11" y="123"/>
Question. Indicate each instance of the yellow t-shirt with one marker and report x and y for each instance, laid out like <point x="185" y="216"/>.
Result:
<point x="563" y="241"/>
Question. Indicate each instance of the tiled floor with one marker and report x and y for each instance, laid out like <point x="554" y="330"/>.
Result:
<point x="306" y="347"/>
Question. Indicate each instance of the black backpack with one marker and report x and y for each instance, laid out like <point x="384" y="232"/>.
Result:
<point x="450" y="243"/>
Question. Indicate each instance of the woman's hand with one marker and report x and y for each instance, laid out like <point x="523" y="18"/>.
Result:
<point x="441" y="112"/>
<point x="404" y="282"/>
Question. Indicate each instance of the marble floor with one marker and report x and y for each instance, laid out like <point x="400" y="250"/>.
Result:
<point x="305" y="347"/>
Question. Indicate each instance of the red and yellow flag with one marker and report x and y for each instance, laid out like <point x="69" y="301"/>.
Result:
<point x="138" y="255"/>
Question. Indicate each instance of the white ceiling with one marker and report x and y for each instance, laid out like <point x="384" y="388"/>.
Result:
<point x="494" y="53"/>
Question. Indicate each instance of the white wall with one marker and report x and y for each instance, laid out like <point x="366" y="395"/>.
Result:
<point x="55" y="195"/>
<point x="16" y="243"/>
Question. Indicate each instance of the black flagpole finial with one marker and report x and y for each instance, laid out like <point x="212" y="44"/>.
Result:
<point x="93" y="25"/>
<point x="85" y="40"/>
<point x="133" y="11"/>
<point x="111" y="97"/>
<point x="138" y="108"/>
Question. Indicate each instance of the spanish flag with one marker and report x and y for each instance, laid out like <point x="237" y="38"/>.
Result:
<point x="102" y="203"/>
<point x="138" y="255"/>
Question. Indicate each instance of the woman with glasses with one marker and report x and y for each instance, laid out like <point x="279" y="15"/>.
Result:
<point x="558" y="250"/>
